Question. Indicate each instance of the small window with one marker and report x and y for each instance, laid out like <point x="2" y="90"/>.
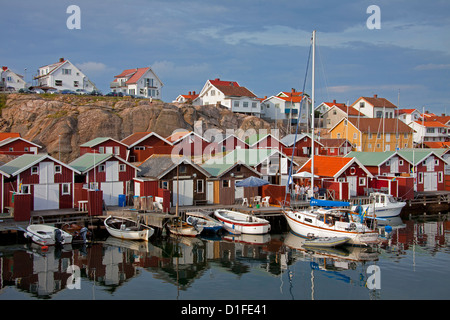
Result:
<point x="101" y="149"/>
<point x="58" y="83"/>
<point x="400" y="162"/>
<point x="122" y="167"/>
<point x="362" y="181"/>
<point x="11" y="149"/>
<point x="225" y="183"/>
<point x="440" y="176"/>
<point x="58" y="169"/>
<point x="116" y="150"/>
<point x="35" y="170"/>
<point x="164" y="184"/>
<point x="200" y="186"/>
<point x="65" y="189"/>
<point x="25" y="188"/>
<point x="101" y="168"/>
<point x="26" y="149"/>
<point x="420" y="177"/>
<point x="182" y="169"/>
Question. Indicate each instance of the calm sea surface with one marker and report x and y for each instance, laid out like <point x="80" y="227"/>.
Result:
<point x="412" y="263"/>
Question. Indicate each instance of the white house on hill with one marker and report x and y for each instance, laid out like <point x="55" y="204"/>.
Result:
<point x="141" y="82"/>
<point x="231" y="95"/>
<point x="10" y="79"/>
<point x="63" y="75"/>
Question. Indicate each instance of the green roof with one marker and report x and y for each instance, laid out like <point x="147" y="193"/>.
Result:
<point x="27" y="160"/>
<point x="371" y="158"/>
<point x="415" y="156"/>
<point x="95" y="142"/>
<point x="88" y="160"/>
<point x="216" y="170"/>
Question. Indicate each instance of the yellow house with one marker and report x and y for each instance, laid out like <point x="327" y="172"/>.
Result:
<point x="374" y="134"/>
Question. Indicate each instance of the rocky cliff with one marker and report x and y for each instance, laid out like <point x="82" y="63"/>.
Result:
<point x="60" y="123"/>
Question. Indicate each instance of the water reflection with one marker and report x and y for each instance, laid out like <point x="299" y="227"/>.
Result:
<point x="113" y="263"/>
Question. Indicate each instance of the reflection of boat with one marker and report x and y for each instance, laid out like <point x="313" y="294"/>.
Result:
<point x="46" y="235"/>
<point x="326" y="241"/>
<point x="129" y="229"/>
<point x="385" y="205"/>
<point x="255" y="239"/>
<point x="209" y="225"/>
<point x="182" y="228"/>
<point x="242" y="222"/>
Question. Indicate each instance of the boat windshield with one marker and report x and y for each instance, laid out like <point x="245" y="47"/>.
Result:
<point x="392" y="199"/>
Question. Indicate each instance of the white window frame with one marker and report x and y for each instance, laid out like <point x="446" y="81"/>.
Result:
<point x="65" y="192"/>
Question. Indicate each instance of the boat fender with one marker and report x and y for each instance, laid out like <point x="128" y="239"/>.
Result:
<point x="388" y="228"/>
<point x="83" y="233"/>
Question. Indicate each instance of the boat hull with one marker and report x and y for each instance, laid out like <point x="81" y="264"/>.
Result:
<point x="382" y="211"/>
<point x="242" y="222"/>
<point x="307" y="230"/>
<point x="125" y="233"/>
<point x="184" y="230"/>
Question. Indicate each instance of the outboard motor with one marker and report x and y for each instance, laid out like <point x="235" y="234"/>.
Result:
<point x="59" y="238"/>
<point x="83" y="233"/>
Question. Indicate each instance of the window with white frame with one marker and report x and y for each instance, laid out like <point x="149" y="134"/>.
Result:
<point x="65" y="189"/>
<point x="200" y="186"/>
<point x="101" y="168"/>
<point x="122" y="167"/>
<point x="420" y="177"/>
<point x="25" y="188"/>
<point x="362" y="181"/>
<point x="35" y="170"/>
<point x="58" y="169"/>
<point x="440" y="176"/>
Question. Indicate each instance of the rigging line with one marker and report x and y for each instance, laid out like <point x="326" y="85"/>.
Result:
<point x="296" y="127"/>
<point x="323" y="72"/>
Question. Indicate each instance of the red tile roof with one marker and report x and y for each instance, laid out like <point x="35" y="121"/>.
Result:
<point x="377" y="102"/>
<point x="326" y="166"/>
<point x="6" y="135"/>
<point x="134" y="137"/>
<point x="431" y="124"/>
<point x="218" y="82"/>
<point x="135" y="74"/>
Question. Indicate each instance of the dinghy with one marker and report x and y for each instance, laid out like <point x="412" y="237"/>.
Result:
<point x="209" y="225"/>
<point x="242" y="222"/>
<point x="124" y="228"/>
<point x="46" y="235"/>
<point x="182" y="228"/>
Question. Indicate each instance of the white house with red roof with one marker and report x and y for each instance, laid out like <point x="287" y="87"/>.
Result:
<point x="285" y="106"/>
<point x="229" y="94"/>
<point x="375" y="107"/>
<point x="337" y="112"/>
<point x="140" y="82"/>
<point x="184" y="98"/>
<point x="11" y="81"/>
<point x="408" y="115"/>
<point x="64" y="75"/>
<point x="428" y="131"/>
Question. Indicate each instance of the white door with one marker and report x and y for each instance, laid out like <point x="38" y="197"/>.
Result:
<point x="352" y="185"/>
<point x="238" y="191"/>
<point x="210" y="192"/>
<point x="186" y="193"/>
<point x="111" y="191"/>
<point x="394" y="165"/>
<point x="112" y="170"/>
<point x="430" y="181"/>
<point x="109" y="150"/>
<point x="46" y="197"/>
<point x="46" y="172"/>
<point x="137" y="189"/>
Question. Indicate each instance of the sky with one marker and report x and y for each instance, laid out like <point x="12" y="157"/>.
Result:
<point x="263" y="45"/>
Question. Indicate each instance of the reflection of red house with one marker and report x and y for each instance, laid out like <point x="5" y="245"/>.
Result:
<point x="142" y="145"/>
<point x="340" y="169"/>
<point x="104" y="145"/>
<point x="188" y="143"/>
<point x="12" y="144"/>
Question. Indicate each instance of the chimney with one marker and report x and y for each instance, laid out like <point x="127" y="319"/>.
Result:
<point x="61" y="59"/>
<point x="375" y="96"/>
<point x="193" y="93"/>
<point x="334" y="101"/>
<point x="217" y="79"/>
<point x="293" y="90"/>
<point x="189" y="93"/>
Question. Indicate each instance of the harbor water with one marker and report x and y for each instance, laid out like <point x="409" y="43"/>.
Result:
<point x="411" y="263"/>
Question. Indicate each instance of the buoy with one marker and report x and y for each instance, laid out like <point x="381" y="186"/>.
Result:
<point x="388" y="228"/>
<point x="44" y="248"/>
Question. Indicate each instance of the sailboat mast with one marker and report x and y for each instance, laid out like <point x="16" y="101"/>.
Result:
<point x="312" y="108"/>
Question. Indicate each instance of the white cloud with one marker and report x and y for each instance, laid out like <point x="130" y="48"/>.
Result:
<point x="432" y="66"/>
<point x="374" y="88"/>
<point x="92" y="67"/>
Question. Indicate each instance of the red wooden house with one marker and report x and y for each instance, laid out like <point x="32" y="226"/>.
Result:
<point x="142" y="145"/>
<point x="335" y="147"/>
<point x="13" y="144"/>
<point x="221" y="143"/>
<point x="188" y="143"/>
<point x="338" y="169"/>
<point x="106" y="172"/>
<point x="49" y="181"/>
<point x="302" y="145"/>
<point x="264" y="141"/>
<point x="104" y="145"/>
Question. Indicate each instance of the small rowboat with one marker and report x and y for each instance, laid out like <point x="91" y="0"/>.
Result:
<point x="182" y="228"/>
<point x="46" y="235"/>
<point x="209" y="225"/>
<point x="242" y="222"/>
<point x="128" y="229"/>
<point x="326" y="241"/>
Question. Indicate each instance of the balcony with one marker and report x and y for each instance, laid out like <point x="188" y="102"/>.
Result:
<point x="115" y="84"/>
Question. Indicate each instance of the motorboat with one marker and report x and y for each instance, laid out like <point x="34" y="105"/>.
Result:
<point x="46" y="235"/>
<point x="320" y="222"/>
<point x="179" y="227"/>
<point x="245" y="223"/>
<point x="209" y="225"/>
<point x="79" y="233"/>
<point x="128" y="229"/>
<point x="385" y="206"/>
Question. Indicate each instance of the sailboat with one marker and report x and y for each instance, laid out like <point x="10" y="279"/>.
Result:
<point x="325" y="222"/>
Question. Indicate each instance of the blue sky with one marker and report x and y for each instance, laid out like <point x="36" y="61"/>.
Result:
<point x="263" y="45"/>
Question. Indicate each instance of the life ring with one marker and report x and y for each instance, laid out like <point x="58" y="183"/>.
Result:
<point x="352" y="171"/>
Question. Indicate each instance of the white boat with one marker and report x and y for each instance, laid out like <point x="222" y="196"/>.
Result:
<point x="182" y="228"/>
<point x="209" y="225"/>
<point x="128" y="229"/>
<point x="385" y="206"/>
<point x="326" y="241"/>
<point x="335" y="222"/>
<point x="242" y="222"/>
<point x="46" y="235"/>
